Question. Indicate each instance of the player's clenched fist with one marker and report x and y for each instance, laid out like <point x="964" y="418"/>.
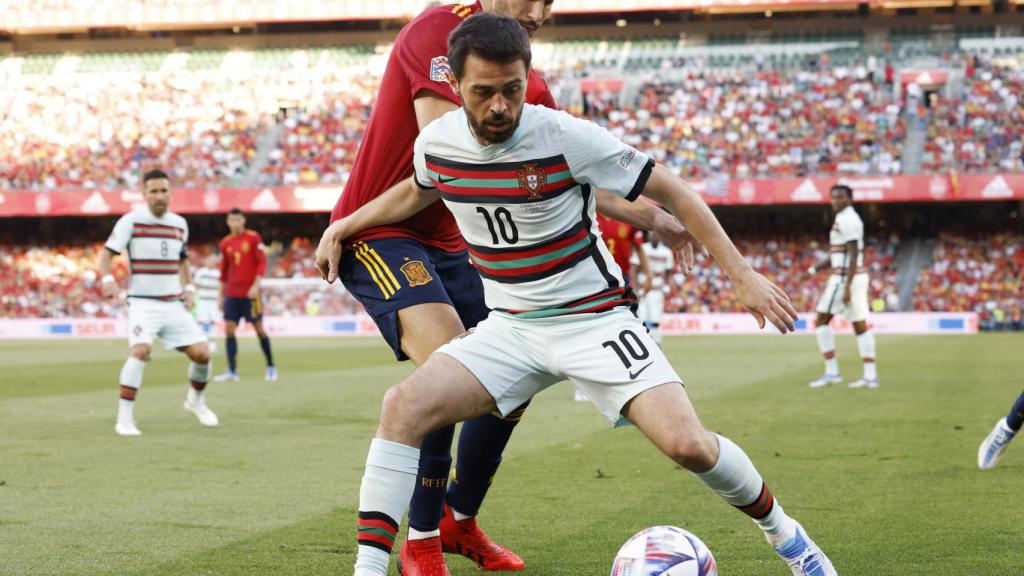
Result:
<point x="766" y="301"/>
<point x="328" y="253"/>
<point x="109" y="288"/>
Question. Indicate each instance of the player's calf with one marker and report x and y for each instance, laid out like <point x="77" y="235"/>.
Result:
<point x="130" y="381"/>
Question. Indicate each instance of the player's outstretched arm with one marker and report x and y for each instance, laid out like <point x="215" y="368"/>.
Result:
<point x="108" y="285"/>
<point x="761" y="297"/>
<point x="185" y="274"/>
<point x="647" y="216"/>
<point x="399" y="202"/>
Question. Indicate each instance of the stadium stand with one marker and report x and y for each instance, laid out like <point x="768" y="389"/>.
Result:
<point x="981" y="273"/>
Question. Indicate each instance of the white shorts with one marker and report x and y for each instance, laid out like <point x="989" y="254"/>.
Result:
<point x="652" y="305"/>
<point x="609" y="356"/>
<point x="148" y="319"/>
<point x="831" y="301"/>
<point x="207" y="311"/>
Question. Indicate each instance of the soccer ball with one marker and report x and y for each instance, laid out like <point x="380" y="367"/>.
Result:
<point x="664" y="551"/>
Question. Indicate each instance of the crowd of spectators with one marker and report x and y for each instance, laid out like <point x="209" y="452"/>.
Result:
<point x="794" y="263"/>
<point x="976" y="273"/>
<point x="982" y="129"/>
<point x="983" y="274"/>
<point x="318" y="144"/>
<point x="61" y="281"/>
<point x="89" y="129"/>
<point x="760" y="123"/>
<point x="93" y="131"/>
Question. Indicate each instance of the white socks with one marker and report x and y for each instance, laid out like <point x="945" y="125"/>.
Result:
<point x="827" y="346"/>
<point x="131" y="381"/>
<point x="384" y="496"/>
<point x="736" y="481"/>
<point x="198" y="376"/>
<point x="866" y="346"/>
<point x="415" y="534"/>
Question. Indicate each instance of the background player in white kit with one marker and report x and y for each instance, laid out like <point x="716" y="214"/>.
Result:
<point x="155" y="239"/>
<point x="520" y="181"/>
<point x="661" y="262"/>
<point x="207" y="282"/>
<point x="846" y="293"/>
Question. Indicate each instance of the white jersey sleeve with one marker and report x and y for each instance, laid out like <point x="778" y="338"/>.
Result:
<point x="419" y="162"/>
<point x="184" y="240"/>
<point x="121" y="235"/>
<point x="601" y="160"/>
<point x="851" y="227"/>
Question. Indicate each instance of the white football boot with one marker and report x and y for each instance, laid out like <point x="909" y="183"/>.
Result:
<point x="127" y="428"/>
<point x="228" y="376"/>
<point x="804" y="557"/>
<point x="825" y="380"/>
<point x="271" y="375"/>
<point x="865" y="383"/>
<point x="994" y="444"/>
<point x="205" y="416"/>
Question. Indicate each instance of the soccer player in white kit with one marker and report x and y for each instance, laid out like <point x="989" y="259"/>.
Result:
<point x="160" y="296"/>
<point x="520" y="181"/>
<point x="207" y="282"/>
<point x="846" y="293"/>
<point x="661" y="262"/>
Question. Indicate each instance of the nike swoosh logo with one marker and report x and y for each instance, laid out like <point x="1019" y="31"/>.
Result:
<point x="442" y="179"/>
<point x="633" y="375"/>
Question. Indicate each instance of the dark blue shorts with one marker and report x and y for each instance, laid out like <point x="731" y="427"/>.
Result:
<point x="237" y="308"/>
<point x="389" y="274"/>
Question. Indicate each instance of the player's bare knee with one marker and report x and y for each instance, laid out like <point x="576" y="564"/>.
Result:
<point x="201" y="354"/>
<point x="696" y="451"/>
<point x="140" y="352"/>
<point x="399" y="416"/>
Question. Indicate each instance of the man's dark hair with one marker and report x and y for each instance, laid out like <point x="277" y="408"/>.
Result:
<point x="235" y="212"/>
<point x="489" y="36"/>
<point x="844" y="189"/>
<point x="153" y="175"/>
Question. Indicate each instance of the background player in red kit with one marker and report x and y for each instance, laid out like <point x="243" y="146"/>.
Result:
<point x="415" y="280"/>
<point x="242" y="264"/>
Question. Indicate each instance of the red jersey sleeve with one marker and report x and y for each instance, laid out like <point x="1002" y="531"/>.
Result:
<point x="260" y="254"/>
<point x="422" y="52"/>
<point x="637" y="237"/>
<point x="223" y="263"/>
<point x="537" y="91"/>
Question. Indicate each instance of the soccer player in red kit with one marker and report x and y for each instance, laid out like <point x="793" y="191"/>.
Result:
<point x="414" y="278"/>
<point x="242" y="265"/>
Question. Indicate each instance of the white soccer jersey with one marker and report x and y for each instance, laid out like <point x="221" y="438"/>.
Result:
<point x="155" y="246"/>
<point x="661" y="261"/>
<point x="526" y="207"/>
<point x="848" y="227"/>
<point x="207" y="281"/>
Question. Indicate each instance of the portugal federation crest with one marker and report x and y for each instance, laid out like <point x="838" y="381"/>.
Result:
<point x="532" y="179"/>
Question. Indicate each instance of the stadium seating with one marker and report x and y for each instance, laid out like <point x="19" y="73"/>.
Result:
<point x="779" y="104"/>
<point x="785" y="261"/>
<point x="976" y="273"/>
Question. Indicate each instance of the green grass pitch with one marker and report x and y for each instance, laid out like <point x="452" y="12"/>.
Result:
<point x="885" y="480"/>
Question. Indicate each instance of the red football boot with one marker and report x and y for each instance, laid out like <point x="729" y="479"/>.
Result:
<point x="464" y="537"/>
<point x="422" y="558"/>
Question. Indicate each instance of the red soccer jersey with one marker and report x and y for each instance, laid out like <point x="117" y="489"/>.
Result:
<point x="241" y="261"/>
<point x="620" y="238"/>
<point x="418" y="62"/>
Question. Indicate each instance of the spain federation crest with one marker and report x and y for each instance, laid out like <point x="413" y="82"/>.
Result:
<point x="533" y="180"/>
<point x="416" y="273"/>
